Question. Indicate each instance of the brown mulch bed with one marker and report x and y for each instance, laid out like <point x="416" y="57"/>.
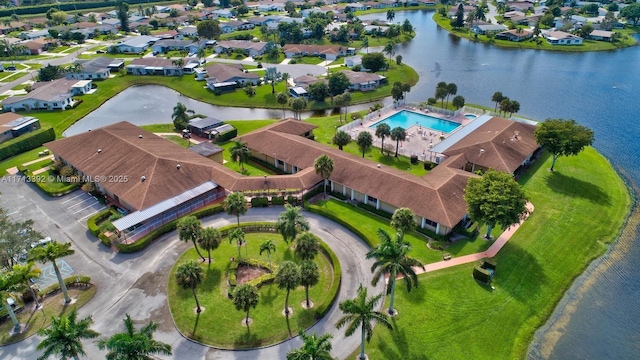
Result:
<point x="247" y="273"/>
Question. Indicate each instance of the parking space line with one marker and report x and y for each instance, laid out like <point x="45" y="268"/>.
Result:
<point x="84" y="208"/>
<point x="79" y="202"/>
<point x="93" y="213"/>
<point x="75" y="197"/>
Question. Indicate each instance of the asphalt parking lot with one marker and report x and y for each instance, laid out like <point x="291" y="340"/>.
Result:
<point x="81" y="205"/>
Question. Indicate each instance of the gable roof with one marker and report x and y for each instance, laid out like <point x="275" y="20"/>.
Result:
<point x="498" y="144"/>
<point x="56" y="90"/>
<point x="227" y="72"/>
<point x="97" y="65"/>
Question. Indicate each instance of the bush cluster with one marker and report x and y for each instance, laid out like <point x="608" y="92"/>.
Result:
<point x="259" y="202"/>
<point x="227" y="135"/>
<point x="26" y="142"/>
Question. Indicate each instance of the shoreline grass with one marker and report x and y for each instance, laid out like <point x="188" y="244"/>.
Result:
<point x="535" y="268"/>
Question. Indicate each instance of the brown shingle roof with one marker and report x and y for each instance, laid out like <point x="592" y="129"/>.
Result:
<point x="224" y="72"/>
<point x="320" y="49"/>
<point x="7" y="118"/>
<point x="498" y="144"/>
<point x="155" y="62"/>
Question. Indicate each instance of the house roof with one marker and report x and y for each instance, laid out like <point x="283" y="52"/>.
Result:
<point x="202" y="123"/>
<point x="173" y="43"/>
<point x="306" y="80"/>
<point x="7" y="119"/>
<point x="56" y="90"/>
<point x="97" y="65"/>
<point x="242" y="44"/>
<point x="498" y="144"/>
<point x="206" y="149"/>
<point x="312" y="49"/>
<point x="358" y="77"/>
<point x="138" y="41"/>
<point x="153" y="62"/>
<point x="228" y="72"/>
<point x="559" y="35"/>
<point x="602" y="33"/>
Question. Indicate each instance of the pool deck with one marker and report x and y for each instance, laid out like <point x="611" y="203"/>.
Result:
<point x="419" y="140"/>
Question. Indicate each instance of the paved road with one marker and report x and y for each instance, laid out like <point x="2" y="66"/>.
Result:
<point x="136" y="283"/>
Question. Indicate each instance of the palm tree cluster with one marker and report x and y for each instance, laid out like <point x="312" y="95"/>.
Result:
<point x="190" y="229"/>
<point x="444" y="90"/>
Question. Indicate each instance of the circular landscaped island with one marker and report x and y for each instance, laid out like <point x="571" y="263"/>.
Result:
<point x="219" y="324"/>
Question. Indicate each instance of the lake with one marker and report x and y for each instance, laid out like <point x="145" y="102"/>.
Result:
<point x="598" y="317"/>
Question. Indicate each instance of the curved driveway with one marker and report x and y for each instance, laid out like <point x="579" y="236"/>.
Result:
<point x="137" y="284"/>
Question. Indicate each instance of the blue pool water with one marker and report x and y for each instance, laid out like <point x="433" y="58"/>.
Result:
<point x="406" y="119"/>
<point x="470" y="116"/>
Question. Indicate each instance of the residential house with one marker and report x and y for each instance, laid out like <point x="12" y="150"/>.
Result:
<point x="515" y="35"/>
<point x="248" y="47"/>
<point x="601" y="35"/>
<point x="188" y="31"/>
<point x="155" y="66"/>
<point x="12" y="26"/>
<point x="98" y="68"/>
<point x="353" y="61"/>
<point x="488" y="29"/>
<point x="167" y="34"/>
<point x="259" y="20"/>
<point x="223" y="13"/>
<point x="266" y="6"/>
<point x="391" y="3"/>
<point x="202" y="126"/>
<point x="136" y="44"/>
<point x="519" y="6"/>
<point x="561" y="38"/>
<point x="510" y="14"/>
<point x="209" y="150"/>
<point x="34" y="34"/>
<point x="229" y="73"/>
<point x="363" y="81"/>
<point x="49" y="95"/>
<point x="379" y="30"/>
<point x="164" y="46"/>
<point x="114" y="23"/>
<point x="13" y="125"/>
<point x="36" y="46"/>
<point x="355" y="6"/>
<point x="306" y="80"/>
<point x="231" y="26"/>
<point x="328" y="52"/>
<point x="466" y="8"/>
<point x="298" y="92"/>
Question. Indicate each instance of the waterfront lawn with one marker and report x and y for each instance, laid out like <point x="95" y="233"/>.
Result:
<point x="246" y="126"/>
<point x="220" y="323"/>
<point x="160" y="128"/>
<point x="579" y="209"/>
<point x="177" y="139"/>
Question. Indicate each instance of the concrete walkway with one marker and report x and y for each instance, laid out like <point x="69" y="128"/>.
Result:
<point x="491" y="251"/>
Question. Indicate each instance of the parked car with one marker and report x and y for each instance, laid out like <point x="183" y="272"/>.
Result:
<point x="11" y="68"/>
<point x="100" y="51"/>
<point x="42" y="242"/>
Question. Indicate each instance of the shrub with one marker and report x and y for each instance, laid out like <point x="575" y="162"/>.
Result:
<point x="414" y="159"/>
<point x="277" y="200"/>
<point x="259" y="202"/>
<point x="335" y="283"/>
<point x="26" y="142"/>
<point x="373" y="209"/>
<point x="356" y="68"/>
<point x="292" y="200"/>
<point x="432" y="101"/>
<point x="227" y="135"/>
<point x="312" y="193"/>
<point x="428" y="165"/>
<point x="89" y="187"/>
<point x="104" y="239"/>
<point x="338" y="195"/>
<point x="92" y="222"/>
<point x="293" y="62"/>
<point x="67" y="171"/>
<point x="69" y="281"/>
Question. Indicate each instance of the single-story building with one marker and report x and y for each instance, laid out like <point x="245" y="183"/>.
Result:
<point x="202" y="126"/>
<point x="306" y="80"/>
<point x="248" y="47"/>
<point x="163" y="46"/>
<point x="136" y="44"/>
<point x="227" y="73"/>
<point x="329" y="52"/>
<point x="154" y="66"/>
<point x="49" y="95"/>
<point x="515" y="35"/>
<point x="353" y="61"/>
<point x="13" y="125"/>
<point x="561" y="38"/>
<point x="363" y="81"/>
<point x="298" y="92"/>
<point x="601" y="35"/>
<point x="209" y="150"/>
<point x="488" y="29"/>
<point x="98" y="68"/>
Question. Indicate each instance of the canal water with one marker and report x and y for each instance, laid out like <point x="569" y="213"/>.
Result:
<point x="599" y="316"/>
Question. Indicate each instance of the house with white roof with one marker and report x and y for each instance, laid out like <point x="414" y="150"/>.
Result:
<point x="136" y="44"/>
<point x="48" y="95"/>
<point x="561" y="38"/>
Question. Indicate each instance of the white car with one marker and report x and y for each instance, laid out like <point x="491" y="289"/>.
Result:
<point x="42" y="242"/>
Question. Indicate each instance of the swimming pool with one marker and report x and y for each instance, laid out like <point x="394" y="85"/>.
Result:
<point x="406" y="119"/>
<point x="470" y="116"/>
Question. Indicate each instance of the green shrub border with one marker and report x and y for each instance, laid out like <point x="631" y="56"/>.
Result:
<point x="335" y="283"/>
<point x="68" y="281"/>
<point x="92" y="222"/>
<point x="26" y="142"/>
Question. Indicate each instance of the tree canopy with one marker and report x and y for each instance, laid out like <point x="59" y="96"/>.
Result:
<point x="374" y="61"/>
<point x="563" y="137"/>
<point x="495" y="199"/>
<point x="208" y="29"/>
<point x="338" y="83"/>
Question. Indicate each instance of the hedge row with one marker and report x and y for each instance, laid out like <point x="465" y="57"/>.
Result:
<point x="277" y="200"/>
<point x="69" y="281"/>
<point x="227" y="136"/>
<point x="335" y="283"/>
<point x="26" y="142"/>
<point x="170" y="226"/>
<point x="322" y="212"/>
<point x="386" y="215"/>
<point x="92" y="222"/>
<point x="259" y="202"/>
<point x="249" y="227"/>
<point x="312" y="193"/>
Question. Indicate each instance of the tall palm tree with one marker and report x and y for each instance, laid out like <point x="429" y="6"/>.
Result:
<point x="306" y="246"/>
<point x="314" y="347"/>
<point x="201" y="54"/>
<point x="403" y="221"/>
<point x="391" y="15"/>
<point x="359" y="312"/>
<point x="7" y="285"/>
<point x="62" y="338"/>
<point x="189" y="275"/>
<point x="235" y="204"/>
<point x="290" y="221"/>
<point x="391" y="257"/>
<point x="365" y="43"/>
<point x="53" y="251"/>
<point x="324" y="167"/>
<point x="283" y="99"/>
<point x="209" y="240"/>
<point x="398" y="134"/>
<point x="180" y="116"/>
<point x="285" y="78"/>
<point x="240" y="153"/>
<point x="189" y="229"/>
<point x="268" y="246"/>
<point x="364" y="141"/>
<point x="245" y="297"/>
<point x="346" y="100"/>
<point x="23" y="274"/>
<point x="309" y="276"/>
<point x="134" y="345"/>
<point x="382" y="131"/>
<point x="390" y="49"/>
<point x="237" y="235"/>
<point x="288" y="278"/>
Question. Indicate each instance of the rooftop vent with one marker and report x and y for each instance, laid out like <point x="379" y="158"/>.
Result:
<point x="99" y="151"/>
<point x="178" y="166"/>
<point x="481" y="151"/>
<point x="140" y="136"/>
<point x="143" y="178"/>
<point x="378" y="166"/>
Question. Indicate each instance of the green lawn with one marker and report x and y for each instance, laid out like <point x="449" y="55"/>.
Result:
<point x="313" y="60"/>
<point x="177" y="139"/>
<point x="159" y="128"/>
<point x="53" y="306"/>
<point x="587" y="45"/>
<point x="19" y="159"/>
<point x="220" y="323"/>
<point x="450" y="316"/>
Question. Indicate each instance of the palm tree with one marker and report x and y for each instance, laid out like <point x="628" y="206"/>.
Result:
<point x="364" y="141"/>
<point x="306" y="246"/>
<point x="390" y="49"/>
<point x="245" y="297"/>
<point x="391" y="15"/>
<point x="189" y="275"/>
<point x="240" y="153"/>
<point x="269" y="247"/>
<point x="338" y="101"/>
<point x="341" y="138"/>
<point x="201" y="54"/>
<point x="365" y="43"/>
<point x="324" y="167"/>
<point x="452" y="89"/>
<point x="383" y="130"/>
<point x="398" y="134"/>
<point x="402" y="221"/>
<point x="290" y="221"/>
<point x="237" y="235"/>
<point x="23" y="274"/>
<point x="309" y="276"/>
<point x="497" y="98"/>
<point x="180" y="116"/>
<point x="391" y="257"/>
<point x="346" y="100"/>
<point x="285" y="78"/>
<point x="314" y="347"/>
<point x="189" y="229"/>
<point x="134" y="345"/>
<point x="272" y="75"/>
<point x="7" y="284"/>
<point x="283" y="99"/>
<point x="359" y="312"/>
<point x="209" y="240"/>
<point x="62" y="338"/>
<point x="288" y="278"/>
<point x="235" y="204"/>
<point x="54" y="250"/>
